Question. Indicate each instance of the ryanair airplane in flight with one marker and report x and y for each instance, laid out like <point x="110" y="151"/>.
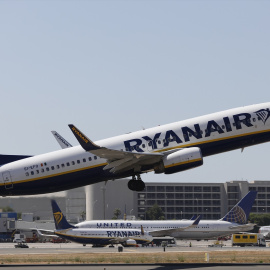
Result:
<point x="165" y="149"/>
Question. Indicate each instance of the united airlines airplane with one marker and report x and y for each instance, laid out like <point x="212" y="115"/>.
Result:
<point x="236" y="220"/>
<point x="165" y="149"/>
<point x="108" y="235"/>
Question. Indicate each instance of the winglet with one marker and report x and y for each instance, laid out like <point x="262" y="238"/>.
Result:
<point x="84" y="141"/>
<point x="196" y="221"/>
<point x="63" y="143"/>
<point x="240" y="212"/>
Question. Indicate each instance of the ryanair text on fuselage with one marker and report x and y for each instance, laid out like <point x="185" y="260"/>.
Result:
<point x="196" y="131"/>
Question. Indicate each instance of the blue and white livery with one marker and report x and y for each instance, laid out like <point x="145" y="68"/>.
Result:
<point x="164" y="149"/>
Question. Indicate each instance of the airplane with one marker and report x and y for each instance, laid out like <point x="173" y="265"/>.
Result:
<point x="265" y="230"/>
<point x="96" y="237"/>
<point x="164" y="149"/>
<point x="104" y="236"/>
<point x="234" y="221"/>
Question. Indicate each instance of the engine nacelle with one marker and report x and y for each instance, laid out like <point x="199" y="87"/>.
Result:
<point x="180" y="160"/>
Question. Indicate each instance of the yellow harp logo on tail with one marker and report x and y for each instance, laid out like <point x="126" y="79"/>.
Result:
<point x="58" y="216"/>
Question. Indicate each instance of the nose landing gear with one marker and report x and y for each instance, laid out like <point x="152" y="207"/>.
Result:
<point x="136" y="185"/>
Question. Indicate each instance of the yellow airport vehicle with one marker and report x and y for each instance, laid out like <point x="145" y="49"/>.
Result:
<point x="248" y="239"/>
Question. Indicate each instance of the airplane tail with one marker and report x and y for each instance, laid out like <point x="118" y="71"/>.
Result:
<point x="240" y="212"/>
<point x="59" y="218"/>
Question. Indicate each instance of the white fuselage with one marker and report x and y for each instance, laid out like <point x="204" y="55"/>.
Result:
<point x="73" y="167"/>
<point x="206" y="229"/>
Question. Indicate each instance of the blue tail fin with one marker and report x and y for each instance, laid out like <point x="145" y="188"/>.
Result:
<point x="59" y="218"/>
<point x="240" y="212"/>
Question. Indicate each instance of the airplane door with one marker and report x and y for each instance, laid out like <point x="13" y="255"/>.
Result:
<point x="7" y="180"/>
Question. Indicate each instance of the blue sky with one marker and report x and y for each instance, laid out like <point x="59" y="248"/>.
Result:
<point x="111" y="67"/>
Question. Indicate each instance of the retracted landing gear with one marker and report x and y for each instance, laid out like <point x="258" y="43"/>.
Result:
<point x="136" y="185"/>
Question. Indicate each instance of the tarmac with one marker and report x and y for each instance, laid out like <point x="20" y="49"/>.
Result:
<point x="182" y="246"/>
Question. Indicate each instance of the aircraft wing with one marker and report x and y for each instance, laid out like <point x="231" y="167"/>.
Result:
<point x="159" y="233"/>
<point x="118" y="161"/>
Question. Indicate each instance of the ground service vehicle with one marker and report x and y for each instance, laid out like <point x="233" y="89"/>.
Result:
<point x="248" y="239"/>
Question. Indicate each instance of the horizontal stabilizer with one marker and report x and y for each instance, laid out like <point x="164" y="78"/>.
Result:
<point x="248" y="226"/>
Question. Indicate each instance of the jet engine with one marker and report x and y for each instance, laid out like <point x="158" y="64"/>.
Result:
<point x="180" y="160"/>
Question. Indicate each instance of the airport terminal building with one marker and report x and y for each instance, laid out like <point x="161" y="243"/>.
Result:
<point x="99" y="201"/>
<point x="211" y="200"/>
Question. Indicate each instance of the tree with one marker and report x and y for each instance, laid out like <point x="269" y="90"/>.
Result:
<point x="7" y="209"/>
<point x="155" y="213"/>
<point x="117" y="213"/>
<point x="260" y="219"/>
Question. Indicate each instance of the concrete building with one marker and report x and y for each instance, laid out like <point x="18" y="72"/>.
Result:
<point x="211" y="200"/>
<point x="178" y="200"/>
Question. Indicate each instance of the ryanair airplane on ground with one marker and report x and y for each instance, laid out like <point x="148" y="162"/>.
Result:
<point x="234" y="221"/>
<point x="104" y="236"/>
<point x="165" y="149"/>
<point x="96" y="237"/>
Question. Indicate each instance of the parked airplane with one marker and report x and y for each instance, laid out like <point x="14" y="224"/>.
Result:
<point x="234" y="221"/>
<point x="265" y="230"/>
<point x="165" y="149"/>
<point x="94" y="236"/>
<point x="105" y="236"/>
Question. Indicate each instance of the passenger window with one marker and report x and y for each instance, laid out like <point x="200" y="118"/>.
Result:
<point x="37" y="171"/>
<point x="63" y="165"/>
<point x="27" y="174"/>
<point x="47" y="169"/>
<point x="73" y="162"/>
<point x="84" y="160"/>
<point x="68" y="164"/>
<point x="42" y="170"/>
<point x="89" y="158"/>
<point x="78" y="161"/>
<point x="52" y="167"/>
<point x="58" y="166"/>
<point x="95" y="157"/>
